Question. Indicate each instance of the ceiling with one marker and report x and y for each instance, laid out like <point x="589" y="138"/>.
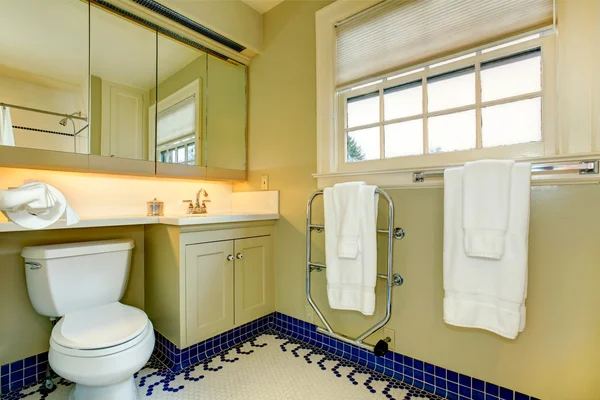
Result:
<point x="47" y="41"/>
<point x="262" y="6"/>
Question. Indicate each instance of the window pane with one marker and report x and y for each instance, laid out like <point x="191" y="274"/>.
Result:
<point x="191" y="152"/>
<point x="363" y="144"/>
<point x="171" y="158"/>
<point x="403" y="101"/>
<point x="404" y="138"/>
<point x="511" y="76"/>
<point x="452" y="132"/>
<point x="450" y="90"/>
<point x="181" y="154"/>
<point x="517" y="122"/>
<point x="363" y="110"/>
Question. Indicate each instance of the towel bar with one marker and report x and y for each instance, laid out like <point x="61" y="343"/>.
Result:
<point x="392" y="279"/>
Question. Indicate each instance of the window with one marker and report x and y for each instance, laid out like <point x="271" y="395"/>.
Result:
<point x="487" y="98"/>
<point x="178" y="125"/>
<point x="180" y="151"/>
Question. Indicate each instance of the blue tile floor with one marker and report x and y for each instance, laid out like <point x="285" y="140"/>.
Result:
<point x="270" y="366"/>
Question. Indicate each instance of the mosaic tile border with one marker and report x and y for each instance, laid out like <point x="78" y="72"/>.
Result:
<point x="23" y="372"/>
<point x="422" y="375"/>
<point x="431" y="378"/>
<point x="175" y="359"/>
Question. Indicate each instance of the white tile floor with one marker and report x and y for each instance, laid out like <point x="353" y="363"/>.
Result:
<point x="268" y="367"/>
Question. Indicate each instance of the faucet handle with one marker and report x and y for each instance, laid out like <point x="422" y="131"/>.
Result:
<point x="190" y="205"/>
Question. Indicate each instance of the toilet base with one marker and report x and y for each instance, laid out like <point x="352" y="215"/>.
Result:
<point x="125" y="390"/>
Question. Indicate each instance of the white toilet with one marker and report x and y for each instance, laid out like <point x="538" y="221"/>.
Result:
<point x="98" y="343"/>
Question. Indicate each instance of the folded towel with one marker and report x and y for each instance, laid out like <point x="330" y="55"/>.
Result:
<point x="36" y="205"/>
<point x="486" y="293"/>
<point x="346" y="207"/>
<point x="7" y="136"/>
<point x="351" y="282"/>
<point x="486" y="191"/>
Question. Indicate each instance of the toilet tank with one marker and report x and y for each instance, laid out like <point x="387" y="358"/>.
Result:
<point x="67" y="277"/>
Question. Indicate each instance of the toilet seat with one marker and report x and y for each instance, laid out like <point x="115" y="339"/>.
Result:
<point x="100" y="330"/>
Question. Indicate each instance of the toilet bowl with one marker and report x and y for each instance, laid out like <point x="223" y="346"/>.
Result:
<point x="99" y="343"/>
<point x="100" y="349"/>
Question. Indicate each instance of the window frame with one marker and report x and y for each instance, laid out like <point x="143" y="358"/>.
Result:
<point x="545" y="147"/>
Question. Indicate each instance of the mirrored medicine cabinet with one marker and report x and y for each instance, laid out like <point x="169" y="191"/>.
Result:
<point x="89" y="86"/>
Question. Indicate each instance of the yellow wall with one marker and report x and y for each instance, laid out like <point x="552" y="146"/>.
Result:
<point x="558" y="355"/>
<point x="23" y="332"/>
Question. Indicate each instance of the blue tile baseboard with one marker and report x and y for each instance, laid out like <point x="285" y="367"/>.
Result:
<point x="23" y="372"/>
<point x="433" y="379"/>
<point x="176" y="359"/>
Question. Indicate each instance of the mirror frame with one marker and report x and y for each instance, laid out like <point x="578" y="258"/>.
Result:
<point x="21" y="157"/>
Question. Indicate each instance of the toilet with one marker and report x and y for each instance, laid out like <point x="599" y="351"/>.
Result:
<point x="98" y="343"/>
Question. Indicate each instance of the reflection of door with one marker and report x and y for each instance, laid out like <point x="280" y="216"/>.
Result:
<point x="124" y="120"/>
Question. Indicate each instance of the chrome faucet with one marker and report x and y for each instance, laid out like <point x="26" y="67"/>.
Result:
<point x="200" y="206"/>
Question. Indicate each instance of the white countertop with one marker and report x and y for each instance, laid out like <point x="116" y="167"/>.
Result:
<point x="180" y="220"/>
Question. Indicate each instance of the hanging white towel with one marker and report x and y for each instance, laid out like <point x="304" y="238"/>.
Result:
<point x="351" y="282"/>
<point x="7" y="136"/>
<point x="346" y="204"/>
<point x="36" y="205"/>
<point x="486" y="191"/>
<point x="486" y="293"/>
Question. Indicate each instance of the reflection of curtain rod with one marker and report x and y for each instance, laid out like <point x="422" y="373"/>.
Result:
<point x="42" y="111"/>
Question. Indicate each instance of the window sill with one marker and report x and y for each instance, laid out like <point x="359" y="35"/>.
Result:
<point x="403" y="178"/>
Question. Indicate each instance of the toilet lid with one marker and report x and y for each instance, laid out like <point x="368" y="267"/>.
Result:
<point x="98" y="327"/>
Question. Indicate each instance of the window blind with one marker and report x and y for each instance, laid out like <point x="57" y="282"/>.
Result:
<point x="399" y="33"/>
<point x="177" y="121"/>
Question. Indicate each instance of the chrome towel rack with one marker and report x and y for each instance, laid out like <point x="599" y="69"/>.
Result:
<point x="583" y="167"/>
<point x="391" y="279"/>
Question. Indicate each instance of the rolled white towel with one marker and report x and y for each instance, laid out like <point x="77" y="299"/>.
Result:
<point x="36" y="205"/>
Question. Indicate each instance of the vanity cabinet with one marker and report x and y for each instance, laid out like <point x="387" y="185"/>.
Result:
<point x="203" y="280"/>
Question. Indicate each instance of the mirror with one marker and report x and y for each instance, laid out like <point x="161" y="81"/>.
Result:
<point x="123" y="81"/>
<point x="181" y="105"/>
<point x="44" y="75"/>
<point x="97" y="81"/>
<point x="227" y="105"/>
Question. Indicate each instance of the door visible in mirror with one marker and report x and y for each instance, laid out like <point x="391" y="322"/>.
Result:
<point x="123" y="79"/>
<point x="227" y="106"/>
<point x="44" y="75"/>
<point x="181" y="106"/>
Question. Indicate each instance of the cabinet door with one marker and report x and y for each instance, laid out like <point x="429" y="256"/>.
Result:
<point x="209" y="290"/>
<point x="253" y="278"/>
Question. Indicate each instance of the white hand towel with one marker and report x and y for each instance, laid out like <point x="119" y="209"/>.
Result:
<point x="7" y="137"/>
<point x="36" y="205"/>
<point x="486" y="191"/>
<point x="346" y="199"/>
<point x="486" y="293"/>
<point x="351" y="282"/>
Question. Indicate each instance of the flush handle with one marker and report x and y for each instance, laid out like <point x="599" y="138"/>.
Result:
<point x="33" y="265"/>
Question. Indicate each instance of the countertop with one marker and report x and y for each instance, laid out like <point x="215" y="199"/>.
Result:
<point x="180" y="220"/>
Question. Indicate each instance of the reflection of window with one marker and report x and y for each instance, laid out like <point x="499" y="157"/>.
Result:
<point x="484" y="99"/>
<point x="176" y="138"/>
<point x="180" y="151"/>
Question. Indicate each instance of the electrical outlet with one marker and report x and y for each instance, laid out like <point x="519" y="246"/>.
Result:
<point x="264" y="185"/>
<point x="387" y="332"/>
<point x="309" y="313"/>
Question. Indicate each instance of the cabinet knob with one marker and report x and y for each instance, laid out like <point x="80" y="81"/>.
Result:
<point x="230" y="258"/>
<point x="239" y="256"/>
